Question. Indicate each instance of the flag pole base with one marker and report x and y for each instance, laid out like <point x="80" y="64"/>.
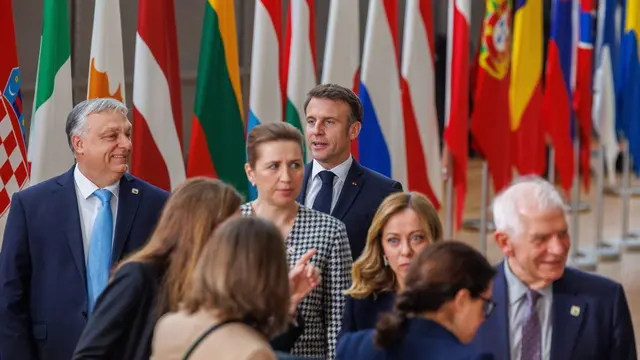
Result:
<point x="583" y="207"/>
<point x="629" y="242"/>
<point x="584" y="260"/>
<point x="606" y="252"/>
<point x="475" y="225"/>
<point x="615" y="190"/>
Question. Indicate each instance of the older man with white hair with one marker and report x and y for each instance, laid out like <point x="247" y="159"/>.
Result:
<point x="546" y="310"/>
<point x="64" y="234"/>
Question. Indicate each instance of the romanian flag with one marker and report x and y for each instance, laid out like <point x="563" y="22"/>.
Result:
<point x="629" y="82"/>
<point x="157" y="106"/>
<point x="490" y="119"/>
<point x="557" y="105"/>
<point x="217" y="147"/>
<point x="525" y="89"/>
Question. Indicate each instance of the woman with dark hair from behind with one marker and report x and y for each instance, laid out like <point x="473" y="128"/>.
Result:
<point x="446" y="296"/>
<point x="237" y="299"/>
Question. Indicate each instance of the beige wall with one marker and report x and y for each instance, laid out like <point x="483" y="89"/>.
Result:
<point x="28" y="18"/>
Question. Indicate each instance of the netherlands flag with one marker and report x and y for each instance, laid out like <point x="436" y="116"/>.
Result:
<point x="382" y="138"/>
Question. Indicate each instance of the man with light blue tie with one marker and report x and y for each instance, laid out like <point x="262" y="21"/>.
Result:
<point x="546" y="310"/>
<point x="64" y="234"/>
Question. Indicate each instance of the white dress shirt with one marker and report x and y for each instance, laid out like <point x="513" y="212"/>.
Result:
<point x="315" y="183"/>
<point x="88" y="205"/>
<point x="517" y="292"/>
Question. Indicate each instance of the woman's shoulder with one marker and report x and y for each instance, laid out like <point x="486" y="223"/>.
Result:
<point x="319" y="219"/>
<point x="245" y="209"/>
<point x="356" y="345"/>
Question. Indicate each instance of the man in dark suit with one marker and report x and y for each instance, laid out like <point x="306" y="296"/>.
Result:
<point x="64" y="234"/>
<point x="544" y="309"/>
<point x="334" y="182"/>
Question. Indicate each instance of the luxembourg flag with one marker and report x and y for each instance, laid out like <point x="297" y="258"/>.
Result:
<point x="382" y="138"/>
<point x="456" y="132"/>
<point x="266" y="91"/>
<point x="604" y="102"/>
<point x="300" y="52"/>
<point x="418" y="102"/>
<point x="342" y="51"/>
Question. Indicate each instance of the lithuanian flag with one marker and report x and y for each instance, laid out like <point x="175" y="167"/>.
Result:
<point x="217" y="136"/>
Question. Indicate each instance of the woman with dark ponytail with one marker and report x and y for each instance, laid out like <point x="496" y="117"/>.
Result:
<point x="446" y="296"/>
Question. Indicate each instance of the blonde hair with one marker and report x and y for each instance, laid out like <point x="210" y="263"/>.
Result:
<point x="369" y="274"/>
<point x="243" y="275"/>
<point x="188" y="219"/>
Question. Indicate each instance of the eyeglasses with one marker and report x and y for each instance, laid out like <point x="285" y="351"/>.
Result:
<point x="489" y="305"/>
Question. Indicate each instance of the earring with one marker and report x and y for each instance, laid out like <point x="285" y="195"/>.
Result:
<point x="386" y="262"/>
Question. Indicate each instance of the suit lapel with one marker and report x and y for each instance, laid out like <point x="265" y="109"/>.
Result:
<point x="305" y="182"/>
<point x="350" y="190"/>
<point x="568" y="312"/>
<point x="66" y="198"/>
<point x="496" y="326"/>
<point x="129" y="198"/>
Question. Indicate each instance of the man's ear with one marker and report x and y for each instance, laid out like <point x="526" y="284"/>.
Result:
<point x="78" y="144"/>
<point x="354" y="130"/>
<point x="503" y="240"/>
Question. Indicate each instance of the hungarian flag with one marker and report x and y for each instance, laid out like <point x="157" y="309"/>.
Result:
<point x="48" y="151"/>
<point x="157" y="110"/>
<point x="300" y="56"/>
<point x="456" y="130"/>
<point x="342" y="50"/>
<point x="106" y="65"/>
<point x="583" y="97"/>
<point x="419" y="102"/>
<point x="490" y="119"/>
<point x="13" y="166"/>
<point x="557" y="106"/>
<point x="525" y="90"/>
<point x="217" y="147"/>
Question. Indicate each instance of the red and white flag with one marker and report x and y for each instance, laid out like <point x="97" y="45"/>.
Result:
<point x="419" y="102"/>
<point x="456" y="130"/>
<point x="157" y="112"/>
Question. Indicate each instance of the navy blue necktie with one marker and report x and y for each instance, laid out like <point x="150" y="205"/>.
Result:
<point x="325" y="196"/>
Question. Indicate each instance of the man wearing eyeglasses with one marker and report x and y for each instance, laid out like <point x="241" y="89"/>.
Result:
<point x="546" y="310"/>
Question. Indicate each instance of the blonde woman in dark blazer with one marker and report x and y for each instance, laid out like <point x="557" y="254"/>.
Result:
<point x="276" y="167"/>
<point x="238" y="299"/>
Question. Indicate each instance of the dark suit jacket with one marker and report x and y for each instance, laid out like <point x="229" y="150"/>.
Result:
<point x="361" y="194"/>
<point x="43" y="295"/>
<point x="601" y="329"/>
<point x="423" y="339"/>
<point x="363" y="314"/>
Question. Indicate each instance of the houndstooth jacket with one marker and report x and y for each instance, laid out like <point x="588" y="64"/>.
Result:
<point x="322" y="309"/>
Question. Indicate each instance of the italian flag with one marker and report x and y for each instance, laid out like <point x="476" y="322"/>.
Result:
<point x="157" y="111"/>
<point x="300" y="54"/>
<point x="49" y="153"/>
<point x="217" y="136"/>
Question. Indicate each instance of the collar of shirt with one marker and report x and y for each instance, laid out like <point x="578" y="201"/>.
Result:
<point x="517" y="289"/>
<point x="341" y="170"/>
<point x="87" y="188"/>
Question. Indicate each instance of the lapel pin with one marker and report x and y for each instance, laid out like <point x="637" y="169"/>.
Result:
<point x="575" y="311"/>
<point x="134" y="191"/>
<point x="354" y="183"/>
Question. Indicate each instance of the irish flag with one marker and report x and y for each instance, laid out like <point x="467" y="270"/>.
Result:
<point x="217" y="136"/>
<point x="342" y="51"/>
<point x="106" y="67"/>
<point x="157" y="111"/>
<point x="49" y="152"/>
<point x="300" y="52"/>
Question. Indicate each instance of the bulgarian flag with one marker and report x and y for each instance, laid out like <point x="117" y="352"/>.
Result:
<point x="217" y="147"/>
<point x="157" y="110"/>
<point x="48" y="151"/>
<point x="300" y="52"/>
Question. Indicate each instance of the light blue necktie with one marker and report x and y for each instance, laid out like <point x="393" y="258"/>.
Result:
<point x="99" y="258"/>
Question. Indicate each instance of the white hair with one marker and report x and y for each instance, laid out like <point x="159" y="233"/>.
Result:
<point x="527" y="192"/>
<point x="77" y="118"/>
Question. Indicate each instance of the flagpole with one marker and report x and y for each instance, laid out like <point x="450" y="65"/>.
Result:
<point x="448" y="220"/>
<point x="630" y="241"/>
<point x="551" y="173"/>
<point x="604" y="251"/>
<point x="484" y="197"/>
<point x="581" y="258"/>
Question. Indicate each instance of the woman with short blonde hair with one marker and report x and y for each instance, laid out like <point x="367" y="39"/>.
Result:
<point x="404" y="224"/>
<point x="237" y="299"/>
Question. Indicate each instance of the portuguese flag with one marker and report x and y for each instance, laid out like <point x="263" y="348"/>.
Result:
<point x="217" y="147"/>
